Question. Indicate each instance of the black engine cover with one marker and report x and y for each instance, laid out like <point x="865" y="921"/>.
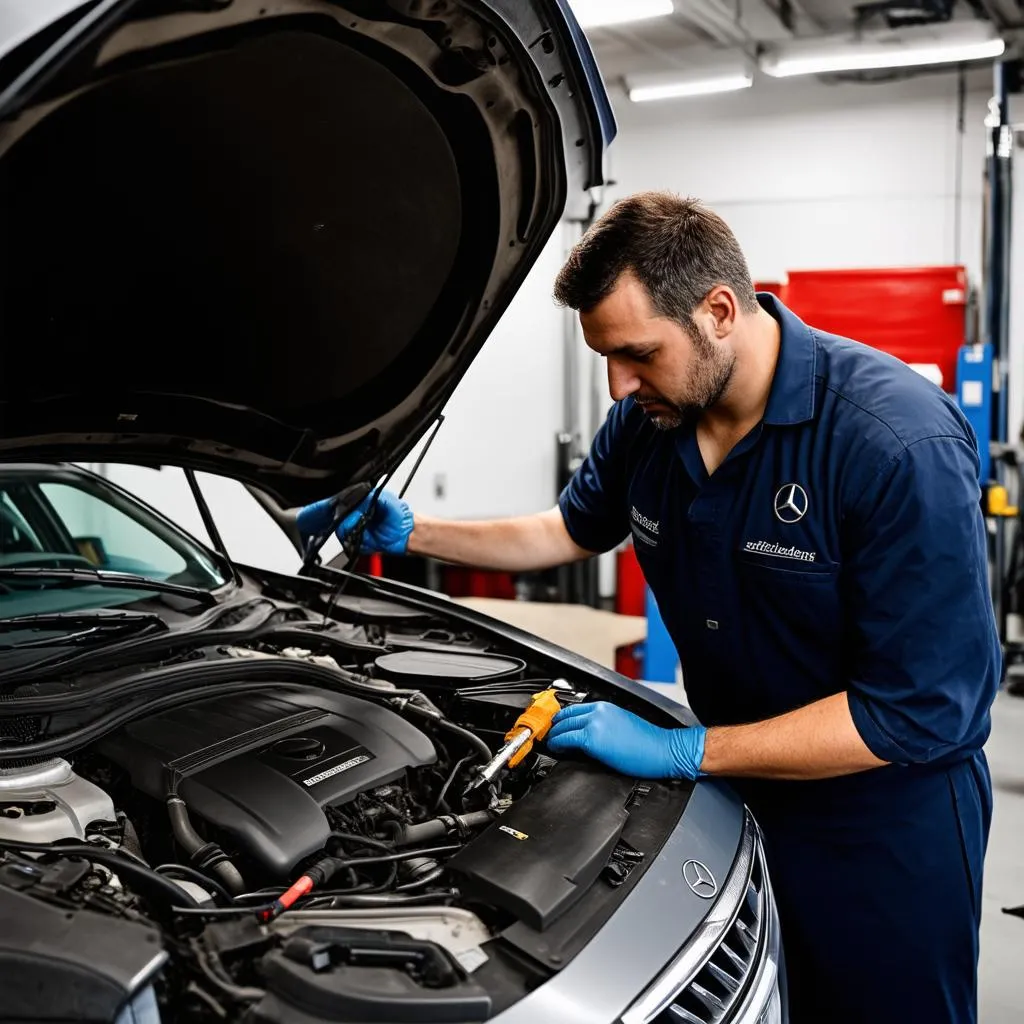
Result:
<point x="544" y="853"/>
<point x="263" y="767"/>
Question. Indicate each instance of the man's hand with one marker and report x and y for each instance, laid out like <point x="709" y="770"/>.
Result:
<point x="627" y="743"/>
<point x="387" y="531"/>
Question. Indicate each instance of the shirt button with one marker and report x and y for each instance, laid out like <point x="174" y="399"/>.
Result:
<point x="712" y="624"/>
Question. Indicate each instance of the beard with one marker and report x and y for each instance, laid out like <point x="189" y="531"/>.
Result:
<point x="711" y="374"/>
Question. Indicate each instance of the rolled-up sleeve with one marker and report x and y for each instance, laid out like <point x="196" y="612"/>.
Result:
<point x="593" y="503"/>
<point x="924" y="651"/>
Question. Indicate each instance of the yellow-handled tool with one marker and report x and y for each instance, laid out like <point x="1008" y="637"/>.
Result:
<point x="533" y="724"/>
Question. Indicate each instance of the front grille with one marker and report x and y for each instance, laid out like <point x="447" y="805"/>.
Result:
<point x="727" y="973"/>
<point x="720" y="985"/>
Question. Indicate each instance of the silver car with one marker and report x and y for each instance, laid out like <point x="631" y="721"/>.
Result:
<point x="265" y="239"/>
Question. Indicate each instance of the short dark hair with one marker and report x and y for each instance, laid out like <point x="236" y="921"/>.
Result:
<point x="677" y="248"/>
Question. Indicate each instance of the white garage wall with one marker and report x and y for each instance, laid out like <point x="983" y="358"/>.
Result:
<point x="811" y="176"/>
<point x="495" y="454"/>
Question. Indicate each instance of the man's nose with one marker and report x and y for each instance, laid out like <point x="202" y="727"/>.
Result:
<point x="622" y="382"/>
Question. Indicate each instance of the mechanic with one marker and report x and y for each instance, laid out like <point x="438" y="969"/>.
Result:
<point x="807" y="513"/>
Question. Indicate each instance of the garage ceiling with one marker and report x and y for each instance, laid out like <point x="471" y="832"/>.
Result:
<point x="699" y="27"/>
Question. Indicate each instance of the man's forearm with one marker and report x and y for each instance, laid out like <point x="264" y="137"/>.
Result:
<point x="519" y="544"/>
<point x="818" y="741"/>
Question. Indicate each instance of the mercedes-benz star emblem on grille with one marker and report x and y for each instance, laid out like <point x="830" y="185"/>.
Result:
<point x="699" y="878"/>
<point x="790" y="503"/>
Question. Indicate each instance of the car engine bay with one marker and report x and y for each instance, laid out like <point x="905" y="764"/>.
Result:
<point x="268" y="816"/>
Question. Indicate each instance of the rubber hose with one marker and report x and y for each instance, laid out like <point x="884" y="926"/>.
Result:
<point x="471" y="738"/>
<point x="457" y="730"/>
<point x="183" y="871"/>
<point x="192" y="842"/>
<point x="438" y="828"/>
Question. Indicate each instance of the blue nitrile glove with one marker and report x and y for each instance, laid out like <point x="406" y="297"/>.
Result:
<point x="387" y="531"/>
<point x="627" y="743"/>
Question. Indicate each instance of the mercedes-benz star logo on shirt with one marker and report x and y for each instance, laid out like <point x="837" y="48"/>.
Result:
<point x="699" y="878"/>
<point x="790" y="503"/>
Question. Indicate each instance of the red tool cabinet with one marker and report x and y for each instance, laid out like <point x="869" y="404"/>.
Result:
<point x="914" y="313"/>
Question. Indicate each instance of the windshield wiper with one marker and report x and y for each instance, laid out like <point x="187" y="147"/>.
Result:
<point x="117" y="580"/>
<point x="82" y="627"/>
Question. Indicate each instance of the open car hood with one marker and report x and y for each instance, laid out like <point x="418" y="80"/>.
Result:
<point x="266" y="238"/>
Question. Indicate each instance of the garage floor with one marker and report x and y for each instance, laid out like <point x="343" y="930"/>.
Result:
<point x="595" y="634"/>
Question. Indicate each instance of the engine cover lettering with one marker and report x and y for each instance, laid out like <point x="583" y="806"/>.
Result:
<point x="336" y="770"/>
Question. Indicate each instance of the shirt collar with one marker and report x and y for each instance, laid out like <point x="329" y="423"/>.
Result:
<point x="793" y="394"/>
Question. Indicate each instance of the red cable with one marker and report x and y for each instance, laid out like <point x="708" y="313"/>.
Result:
<point x="287" y="898"/>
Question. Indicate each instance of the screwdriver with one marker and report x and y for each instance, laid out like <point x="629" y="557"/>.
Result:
<point x="532" y="724"/>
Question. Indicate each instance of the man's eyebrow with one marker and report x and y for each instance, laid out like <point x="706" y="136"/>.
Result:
<point x="629" y="348"/>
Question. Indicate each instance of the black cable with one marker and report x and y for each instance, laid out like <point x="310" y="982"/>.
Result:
<point x="192" y="875"/>
<point x="419" y="883"/>
<point x="221" y="912"/>
<point x="430" y="851"/>
<point x="229" y="988"/>
<point x="473" y="740"/>
<point x="146" y="879"/>
<point x="356" y="839"/>
<point x="451" y="778"/>
<point x="369" y="887"/>
<point x="352" y="837"/>
<point x="338" y="897"/>
<point x="270" y="909"/>
<point x="390" y="900"/>
<point x="207" y="1000"/>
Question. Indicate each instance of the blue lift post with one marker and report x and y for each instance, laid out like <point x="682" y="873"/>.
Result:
<point x="660" y="659"/>
<point x="974" y="395"/>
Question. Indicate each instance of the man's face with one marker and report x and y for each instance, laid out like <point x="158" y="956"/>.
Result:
<point x="673" y="375"/>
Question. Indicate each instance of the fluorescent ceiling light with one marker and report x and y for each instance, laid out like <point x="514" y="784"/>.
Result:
<point x="595" y="13"/>
<point x="910" y="48"/>
<point x="682" y="87"/>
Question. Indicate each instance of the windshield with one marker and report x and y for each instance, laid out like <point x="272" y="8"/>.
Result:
<point x="58" y="519"/>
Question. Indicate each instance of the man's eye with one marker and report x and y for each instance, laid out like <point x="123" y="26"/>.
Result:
<point x="644" y="357"/>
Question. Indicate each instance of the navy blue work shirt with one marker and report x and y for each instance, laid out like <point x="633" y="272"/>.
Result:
<point x="839" y="547"/>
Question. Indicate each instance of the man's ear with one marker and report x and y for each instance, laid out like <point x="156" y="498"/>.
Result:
<point x="724" y="309"/>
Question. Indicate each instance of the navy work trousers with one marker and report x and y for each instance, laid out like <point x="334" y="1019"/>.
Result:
<point x="878" y="882"/>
